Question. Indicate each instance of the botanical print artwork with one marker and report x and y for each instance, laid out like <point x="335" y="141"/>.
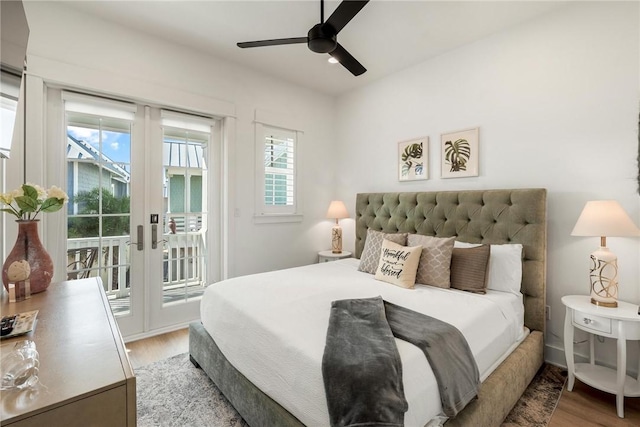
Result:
<point x="413" y="159"/>
<point x="459" y="154"/>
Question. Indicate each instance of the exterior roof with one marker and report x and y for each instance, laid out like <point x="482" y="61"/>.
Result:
<point x="82" y="150"/>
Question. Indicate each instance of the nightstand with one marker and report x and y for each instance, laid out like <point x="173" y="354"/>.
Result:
<point x="621" y="323"/>
<point x="326" y="256"/>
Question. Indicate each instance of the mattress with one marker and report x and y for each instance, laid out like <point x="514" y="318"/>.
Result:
<point x="272" y="328"/>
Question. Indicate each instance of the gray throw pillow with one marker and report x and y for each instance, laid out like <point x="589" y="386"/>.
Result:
<point x="370" y="257"/>
<point x="435" y="261"/>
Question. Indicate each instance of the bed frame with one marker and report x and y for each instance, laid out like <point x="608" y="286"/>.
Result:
<point x="477" y="216"/>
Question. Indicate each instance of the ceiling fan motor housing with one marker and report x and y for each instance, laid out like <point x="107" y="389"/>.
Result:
<point x="322" y="38"/>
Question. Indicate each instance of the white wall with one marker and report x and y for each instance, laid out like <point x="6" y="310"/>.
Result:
<point x="68" y="47"/>
<point x="556" y="101"/>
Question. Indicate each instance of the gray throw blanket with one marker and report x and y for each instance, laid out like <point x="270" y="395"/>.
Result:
<point x="361" y="365"/>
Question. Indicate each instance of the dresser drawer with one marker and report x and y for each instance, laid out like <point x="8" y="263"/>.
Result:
<point x="591" y="322"/>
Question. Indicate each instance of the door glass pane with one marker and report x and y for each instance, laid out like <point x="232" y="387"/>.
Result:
<point x="184" y="251"/>
<point x="98" y="184"/>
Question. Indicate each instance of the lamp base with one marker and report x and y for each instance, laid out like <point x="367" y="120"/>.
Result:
<point x="613" y="304"/>
<point x="336" y="239"/>
<point x="604" y="278"/>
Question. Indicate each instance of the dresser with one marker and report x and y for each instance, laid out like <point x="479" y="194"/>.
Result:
<point x="86" y="378"/>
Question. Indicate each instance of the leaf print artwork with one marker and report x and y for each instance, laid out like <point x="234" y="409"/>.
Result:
<point x="413" y="151"/>
<point x="412" y="159"/>
<point x="459" y="154"/>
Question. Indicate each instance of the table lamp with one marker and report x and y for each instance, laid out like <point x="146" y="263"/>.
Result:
<point x="337" y="210"/>
<point x="604" y="218"/>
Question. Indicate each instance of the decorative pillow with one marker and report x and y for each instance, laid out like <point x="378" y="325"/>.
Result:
<point x="435" y="261"/>
<point x="398" y="264"/>
<point x="370" y="257"/>
<point x="469" y="268"/>
<point x="505" y="266"/>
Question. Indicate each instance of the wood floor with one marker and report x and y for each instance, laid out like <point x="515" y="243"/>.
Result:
<point x="156" y="348"/>
<point x="582" y="407"/>
<point x="588" y="407"/>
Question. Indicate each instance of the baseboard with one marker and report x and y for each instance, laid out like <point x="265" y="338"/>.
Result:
<point x="155" y="332"/>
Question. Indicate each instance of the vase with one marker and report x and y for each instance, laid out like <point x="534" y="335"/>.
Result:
<point x="29" y="248"/>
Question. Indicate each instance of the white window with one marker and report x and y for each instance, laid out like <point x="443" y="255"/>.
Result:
<point x="9" y="91"/>
<point x="279" y="168"/>
<point x="277" y="186"/>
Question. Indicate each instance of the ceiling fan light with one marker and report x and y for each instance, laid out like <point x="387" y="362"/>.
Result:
<point x="332" y="60"/>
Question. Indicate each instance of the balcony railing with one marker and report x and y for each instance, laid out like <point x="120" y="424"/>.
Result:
<point x="109" y="258"/>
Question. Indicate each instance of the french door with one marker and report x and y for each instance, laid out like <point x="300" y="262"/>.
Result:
<point x="143" y="198"/>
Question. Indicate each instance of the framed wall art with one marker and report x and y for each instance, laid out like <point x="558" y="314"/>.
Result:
<point x="459" y="155"/>
<point x="413" y="159"/>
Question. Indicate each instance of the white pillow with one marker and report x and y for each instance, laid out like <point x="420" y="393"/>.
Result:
<point x="398" y="264"/>
<point x="505" y="266"/>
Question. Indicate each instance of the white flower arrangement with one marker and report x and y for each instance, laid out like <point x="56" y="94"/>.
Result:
<point x="29" y="200"/>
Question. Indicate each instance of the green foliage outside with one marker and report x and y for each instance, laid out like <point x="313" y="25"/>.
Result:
<point x="89" y="204"/>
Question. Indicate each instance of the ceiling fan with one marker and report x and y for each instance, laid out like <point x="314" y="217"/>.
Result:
<point x="321" y="38"/>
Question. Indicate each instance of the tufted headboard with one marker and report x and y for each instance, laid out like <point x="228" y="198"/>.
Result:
<point x="475" y="216"/>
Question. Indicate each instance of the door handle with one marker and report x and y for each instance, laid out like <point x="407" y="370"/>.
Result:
<point x="140" y="243"/>
<point x="154" y="236"/>
<point x="140" y="237"/>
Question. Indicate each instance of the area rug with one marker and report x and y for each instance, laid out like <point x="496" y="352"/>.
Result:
<point x="172" y="392"/>
<point x="539" y="400"/>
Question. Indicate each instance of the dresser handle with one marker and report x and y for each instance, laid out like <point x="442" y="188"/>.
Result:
<point x="587" y="321"/>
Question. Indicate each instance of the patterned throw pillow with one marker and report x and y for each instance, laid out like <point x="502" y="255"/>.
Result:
<point x="370" y="257"/>
<point x="435" y="261"/>
<point x="469" y="268"/>
<point x="398" y="264"/>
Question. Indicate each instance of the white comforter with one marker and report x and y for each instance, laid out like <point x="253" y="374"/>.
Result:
<point x="272" y="328"/>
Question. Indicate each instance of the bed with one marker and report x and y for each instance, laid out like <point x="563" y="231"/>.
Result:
<point x="495" y="217"/>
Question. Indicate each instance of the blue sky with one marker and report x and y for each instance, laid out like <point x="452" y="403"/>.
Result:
<point x="115" y="145"/>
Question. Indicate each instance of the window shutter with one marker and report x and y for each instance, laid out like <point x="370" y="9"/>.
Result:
<point x="279" y="168"/>
<point x="277" y="162"/>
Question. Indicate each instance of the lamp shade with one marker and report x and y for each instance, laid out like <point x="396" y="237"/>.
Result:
<point x="604" y="218"/>
<point x="337" y="210"/>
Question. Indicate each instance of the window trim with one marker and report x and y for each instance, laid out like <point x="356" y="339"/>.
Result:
<point x="12" y="100"/>
<point x="270" y="214"/>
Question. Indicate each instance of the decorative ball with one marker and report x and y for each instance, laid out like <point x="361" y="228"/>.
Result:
<point x="18" y="271"/>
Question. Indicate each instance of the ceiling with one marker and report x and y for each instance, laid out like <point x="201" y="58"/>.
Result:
<point x="386" y="36"/>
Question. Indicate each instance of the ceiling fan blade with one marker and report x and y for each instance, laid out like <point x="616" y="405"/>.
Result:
<point x="345" y="13"/>
<point x="273" y="42"/>
<point x="347" y="61"/>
